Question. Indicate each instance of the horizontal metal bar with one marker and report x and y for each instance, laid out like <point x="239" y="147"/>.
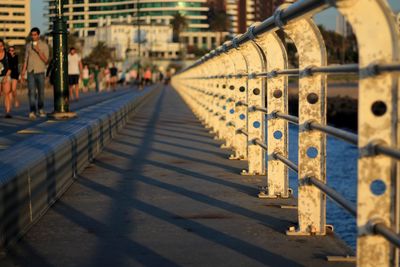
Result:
<point x="286" y="161"/>
<point x="347" y="205"/>
<point x="242" y="132"/>
<point x="240" y="103"/>
<point x="335" y="132"/>
<point x="288" y="72"/>
<point x="387" y="233"/>
<point x="388" y="67"/>
<point x="343" y="69"/>
<point x="276" y="73"/>
<point x="261" y="144"/>
<point x="231" y="123"/>
<point x="290" y="118"/>
<point x="332" y="69"/>
<point x="258" y="108"/>
<point x="388" y="151"/>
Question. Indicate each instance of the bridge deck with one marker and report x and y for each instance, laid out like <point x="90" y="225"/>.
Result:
<point x="164" y="194"/>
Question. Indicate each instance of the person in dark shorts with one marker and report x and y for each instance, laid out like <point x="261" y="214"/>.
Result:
<point x="96" y="76"/>
<point x="74" y="73"/>
<point x="113" y="76"/>
<point x="5" y="78"/>
<point x="13" y="65"/>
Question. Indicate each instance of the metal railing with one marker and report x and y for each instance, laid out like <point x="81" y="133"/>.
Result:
<point x="245" y="81"/>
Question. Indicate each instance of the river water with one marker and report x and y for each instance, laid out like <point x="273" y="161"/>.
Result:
<point x="341" y="175"/>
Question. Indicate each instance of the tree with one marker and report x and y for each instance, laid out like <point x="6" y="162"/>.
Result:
<point x="72" y="40"/>
<point x="219" y="22"/>
<point x="179" y="24"/>
<point x="101" y="55"/>
<point x="340" y="49"/>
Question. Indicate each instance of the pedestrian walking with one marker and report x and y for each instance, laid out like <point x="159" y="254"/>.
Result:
<point x="133" y="75"/>
<point x="74" y="73"/>
<point x="147" y="76"/>
<point x="113" y="76"/>
<point x="13" y="64"/>
<point x="96" y="76"/>
<point x="85" y="78"/>
<point x="106" y="75"/>
<point x="5" y="73"/>
<point x="36" y="59"/>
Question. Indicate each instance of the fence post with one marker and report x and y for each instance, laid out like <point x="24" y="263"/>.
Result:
<point x="254" y="59"/>
<point x="277" y="129"/>
<point x="213" y="96"/>
<point x="221" y="119"/>
<point x="378" y="42"/>
<point x="312" y="107"/>
<point x="228" y="68"/>
<point x="200" y="97"/>
<point x="238" y="86"/>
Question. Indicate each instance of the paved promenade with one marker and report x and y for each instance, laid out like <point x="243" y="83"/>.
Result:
<point x="164" y="194"/>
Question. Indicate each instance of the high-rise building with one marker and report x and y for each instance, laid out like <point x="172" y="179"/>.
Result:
<point x="244" y="13"/>
<point x="264" y="9"/>
<point x="233" y="13"/>
<point x="15" y="17"/>
<point x="84" y="15"/>
<point x="217" y="5"/>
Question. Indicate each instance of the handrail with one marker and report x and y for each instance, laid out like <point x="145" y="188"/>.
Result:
<point x="286" y="161"/>
<point x="252" y="84"/>
<point x="332" y="69"/>
<point x="350" y="207"/>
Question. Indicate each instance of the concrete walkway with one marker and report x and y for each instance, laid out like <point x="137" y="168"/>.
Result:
<point x="164" y="194"/>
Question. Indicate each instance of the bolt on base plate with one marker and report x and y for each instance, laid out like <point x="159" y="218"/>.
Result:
<point x="264" y="195"/>
<point x="292" y="231"/>
<point x="247" y="173"/>
<point x="234" y="157"/>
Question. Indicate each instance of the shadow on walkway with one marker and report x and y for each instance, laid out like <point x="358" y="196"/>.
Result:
<point x="162" y="195"/>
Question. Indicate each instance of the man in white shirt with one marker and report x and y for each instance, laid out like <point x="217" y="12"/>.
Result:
<point x="74" y="73"/>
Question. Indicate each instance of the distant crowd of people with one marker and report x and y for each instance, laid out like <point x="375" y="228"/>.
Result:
<point x="37" y="66"/>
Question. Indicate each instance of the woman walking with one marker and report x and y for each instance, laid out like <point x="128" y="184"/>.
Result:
<point x="13" y="65"/>
<point x="5" y="79"/>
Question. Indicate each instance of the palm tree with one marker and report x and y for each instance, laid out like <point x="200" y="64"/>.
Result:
<point x="179" y="24"/>
<point x="220" y="22"/>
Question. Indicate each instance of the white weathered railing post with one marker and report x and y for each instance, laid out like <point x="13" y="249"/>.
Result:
<point x="228" y="68"/>
<point x="312" y="108"/>
<point x="238" y="86"/>
<point x="255" y="61"/>
<point x="277" y="129"/>
<point x="378" y="42"/>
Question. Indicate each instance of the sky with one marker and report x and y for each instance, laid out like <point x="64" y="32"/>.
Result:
<point x="326" y="18"/>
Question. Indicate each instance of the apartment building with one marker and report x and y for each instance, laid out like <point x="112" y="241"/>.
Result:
<point x="15" y="20"/>
<point x="83" y="16"/>
<point x="243" y="13"/>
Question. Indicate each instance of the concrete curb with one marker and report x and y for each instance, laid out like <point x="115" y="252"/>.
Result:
<point x="36" y="172"/>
